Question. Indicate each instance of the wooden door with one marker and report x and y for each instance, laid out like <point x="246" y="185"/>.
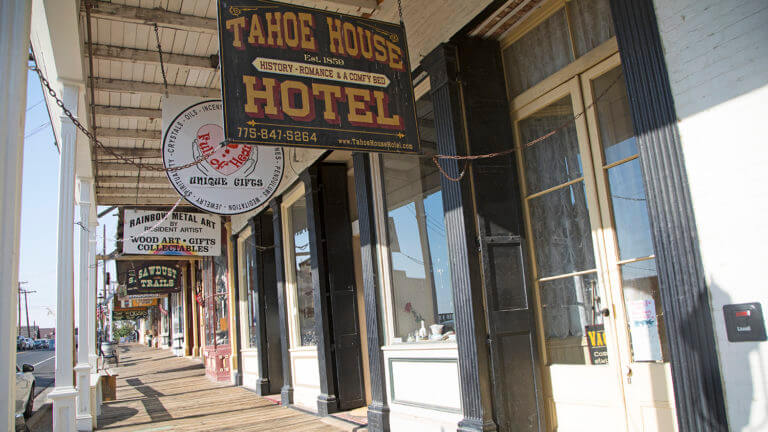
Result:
<point x="581" y="380"/>
<point x="628" y="251"/>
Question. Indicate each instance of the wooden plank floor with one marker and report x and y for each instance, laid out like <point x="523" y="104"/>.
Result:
<point x="157" y="391"/>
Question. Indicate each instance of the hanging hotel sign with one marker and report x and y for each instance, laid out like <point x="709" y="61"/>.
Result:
<point x="152" y="278"/>
<point x="232" y="179"/>
<point x="295" y="76"/>
<point x="129" y="314"/>
<point x="181" y="233"/>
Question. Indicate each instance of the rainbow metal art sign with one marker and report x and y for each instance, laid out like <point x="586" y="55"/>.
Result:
<point x="149" y="232"/>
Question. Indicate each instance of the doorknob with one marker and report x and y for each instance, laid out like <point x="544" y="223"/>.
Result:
<point x="605" y="312"/>
<point x="628" y="374"/>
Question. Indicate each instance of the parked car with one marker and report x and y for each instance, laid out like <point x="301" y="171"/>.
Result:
<point x="40" y="344"/>
<point x="25" y="394"/>
<point x="29" y="343"/>
<point x="19" y="343"/>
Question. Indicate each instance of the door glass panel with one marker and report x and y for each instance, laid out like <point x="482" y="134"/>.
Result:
<point x="555" y="160"/>
<point x="303" y="273"/>
<point x="568" y="306"/>
<point x="644" y="315"/>
<point x="630" y="211"/>
<point x="615" y="123"/>
<point x="626" y="194"/>
<point x="561" y="231"/>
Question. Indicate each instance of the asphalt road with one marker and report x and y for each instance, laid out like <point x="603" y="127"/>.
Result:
<point x="44" y="363"/>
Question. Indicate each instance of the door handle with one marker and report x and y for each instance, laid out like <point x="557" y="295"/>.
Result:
<point x="605" y="312"/>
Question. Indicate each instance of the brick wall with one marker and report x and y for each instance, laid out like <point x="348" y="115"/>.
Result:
<point x="717" y="57"/>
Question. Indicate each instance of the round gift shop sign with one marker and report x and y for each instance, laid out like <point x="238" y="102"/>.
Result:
<point x="232" y="179"/>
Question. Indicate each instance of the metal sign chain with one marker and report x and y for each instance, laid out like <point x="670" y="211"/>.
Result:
<point x="162" y="65"/>
<point x="98" y="143"/>
<point x="400" y="11"/>
<point x="468" y="159"/>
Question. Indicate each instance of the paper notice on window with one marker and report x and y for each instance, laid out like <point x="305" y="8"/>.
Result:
<point x="644" y="328"/>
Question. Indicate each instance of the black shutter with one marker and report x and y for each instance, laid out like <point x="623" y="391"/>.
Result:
<point x="517" y="393"/>
<point x="344" y="322"/>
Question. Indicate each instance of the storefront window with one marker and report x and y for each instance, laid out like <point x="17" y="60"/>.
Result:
<point x="302" y="272"/>
<point x="221" y="300"/>
<point x="208" y="310"/>
<point x="248" y="254"/>
<point x="418" y="251"/>
<point x="216" y="300"/>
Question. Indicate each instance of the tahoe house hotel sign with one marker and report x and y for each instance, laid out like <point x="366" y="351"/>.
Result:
<point x="181" y="233"/>
<point x="295" y="76"/>
<point x="232" y="179"/>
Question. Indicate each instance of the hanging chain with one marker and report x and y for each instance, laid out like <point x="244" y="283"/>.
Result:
<point x="400" y="11"/>
<point x="468" y="159"/>
<point x="98" y="143"/>
<point x="138" y="182"/>
<point x="162" y="65"/>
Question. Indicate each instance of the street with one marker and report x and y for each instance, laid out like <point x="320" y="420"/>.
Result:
<point x="43" y="361"/>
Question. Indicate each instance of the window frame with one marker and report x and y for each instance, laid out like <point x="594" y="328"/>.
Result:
<point x="386" y="286"/>
<point x="296" y="193"/>
<point x="244" y="286"/>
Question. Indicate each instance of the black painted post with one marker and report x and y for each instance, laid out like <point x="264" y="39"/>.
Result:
<point x="286" y="393"/>
<point x="684" y="294"/>
<point x="327" y="402"/>
<point x="474" y="373"/>
<point x="378" y="410"/>
<point x="256" y="283"/>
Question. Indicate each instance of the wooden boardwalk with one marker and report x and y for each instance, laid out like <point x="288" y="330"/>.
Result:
<point x="157" y="391"/>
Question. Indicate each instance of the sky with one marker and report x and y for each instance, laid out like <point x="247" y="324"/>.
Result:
<point x="39" y="213"/>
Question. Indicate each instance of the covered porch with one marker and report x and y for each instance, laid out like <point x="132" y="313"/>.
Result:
<point x="159" y="391"/>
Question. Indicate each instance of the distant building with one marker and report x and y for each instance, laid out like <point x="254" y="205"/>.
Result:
<point x="36" y="332"/>
<point x="29" y="332"/>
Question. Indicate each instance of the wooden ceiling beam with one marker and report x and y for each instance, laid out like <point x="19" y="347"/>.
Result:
<point x="139" y="87"/>
<point x="132" y="191"/>
<point x="128" y="133"/>
<point x="132" y="180"/>
<point x="149" y="257"/>
<point x="132" y="201"/>
<point x="365" y="6"/>
<point x="162" y="17"/>
<point x="129" y="152"/>
<point x="118" y="111"/>
<point x="122" y="166"/>
<point x="132" y="55"/>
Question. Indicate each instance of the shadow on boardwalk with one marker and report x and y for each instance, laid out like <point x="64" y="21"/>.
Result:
<point x="160" y="392"/>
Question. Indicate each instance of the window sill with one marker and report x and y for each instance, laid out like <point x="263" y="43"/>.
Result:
<point x="423" y="345"/>
<point x="303" y="349"/>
